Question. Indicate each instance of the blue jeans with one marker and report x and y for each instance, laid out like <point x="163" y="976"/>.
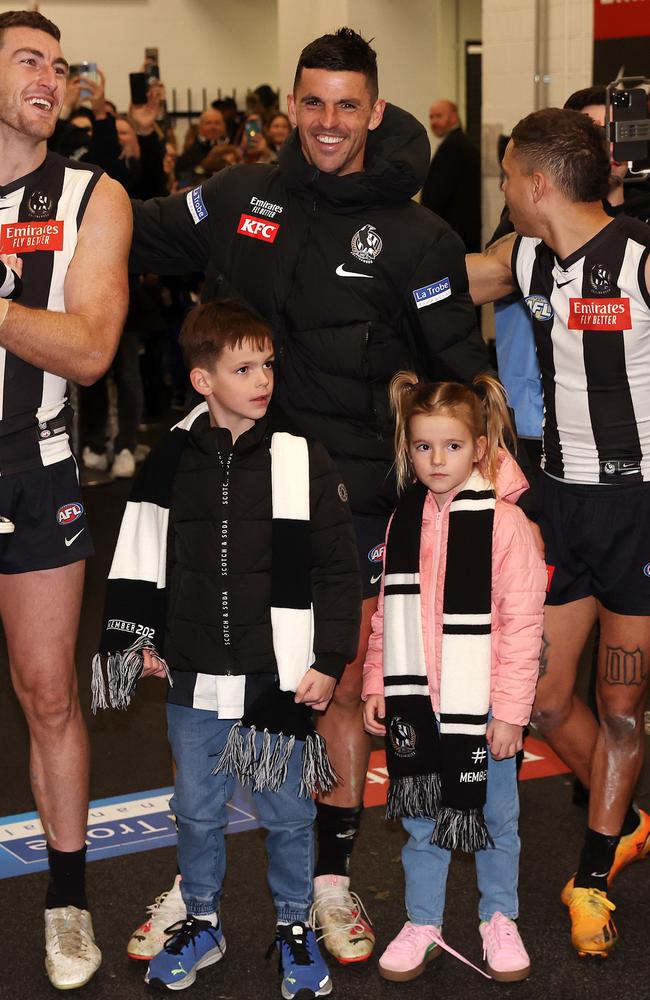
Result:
<point x="199" y="804"/>
<point x="497" y="868"/>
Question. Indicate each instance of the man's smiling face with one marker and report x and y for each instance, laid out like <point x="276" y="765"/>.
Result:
<point x="33" y="77"/>
<point x="333" y="112"/>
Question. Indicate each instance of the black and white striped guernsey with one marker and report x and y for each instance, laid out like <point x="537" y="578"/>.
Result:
<point x="591" y="317"/>
<point x="40" y="216"/>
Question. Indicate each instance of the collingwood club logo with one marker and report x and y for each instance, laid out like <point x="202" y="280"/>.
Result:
<point x="402" y="737"/>
<point x="600" y="280"/>
<point x="366" y="244"/>
<point x="39" y="205"/>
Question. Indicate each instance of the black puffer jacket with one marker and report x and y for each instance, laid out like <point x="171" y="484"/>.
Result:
<point x="205" y="504"/>
<point x="356" y="279"/>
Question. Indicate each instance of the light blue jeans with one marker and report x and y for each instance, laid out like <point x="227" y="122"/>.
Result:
<point x="199" y="803"/>
<point x="497" y="868"/>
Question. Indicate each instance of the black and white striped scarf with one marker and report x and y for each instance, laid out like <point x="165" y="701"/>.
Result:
<point x="136" y="601"/>
<point x="440" y="770"/>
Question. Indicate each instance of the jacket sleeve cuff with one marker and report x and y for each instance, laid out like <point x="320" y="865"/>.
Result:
<point x="513" y="712"/>
<point x="332" y="664"/>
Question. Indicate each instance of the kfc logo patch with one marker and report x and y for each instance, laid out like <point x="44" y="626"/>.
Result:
<point x="599" y="314"/>
<point x="259" y="229"/>
<point x="25" y="237"/>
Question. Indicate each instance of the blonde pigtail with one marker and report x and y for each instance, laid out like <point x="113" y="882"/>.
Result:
<point x="498" y="424"/>
<point x="401" y="388"/>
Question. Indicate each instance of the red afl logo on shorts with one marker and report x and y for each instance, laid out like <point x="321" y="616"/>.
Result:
<point x="550" y="570"/>
<point x="376" y="555"/>
<point x="69" y="513"/>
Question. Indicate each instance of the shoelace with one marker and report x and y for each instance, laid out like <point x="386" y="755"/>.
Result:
<point x="342" y="903"/>
<point x="158" y="910"/>
<point x="502" y="932"/>
<point x="296" y="943"/>
<point x="184" y="931"/>
<point x="71" y="939"/>
<point x="598" y="899"/>
<point x="437" y="937"/>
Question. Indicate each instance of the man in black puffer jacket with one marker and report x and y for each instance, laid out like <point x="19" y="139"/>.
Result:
<point x="357" y="281"/>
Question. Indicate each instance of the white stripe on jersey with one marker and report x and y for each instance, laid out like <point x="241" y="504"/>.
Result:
<point x="637" y="351"/>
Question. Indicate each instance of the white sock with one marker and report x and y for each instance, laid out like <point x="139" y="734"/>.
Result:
<point x="210" y="917"/>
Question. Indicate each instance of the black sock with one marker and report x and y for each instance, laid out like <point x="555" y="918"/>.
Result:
<point x="337" y="829"/>
<point x="595" y="861"/>
<point x="67" y="886"/>
<point x="631" y="820"/>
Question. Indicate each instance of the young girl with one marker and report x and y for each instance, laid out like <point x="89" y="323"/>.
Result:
<point x="452" y="662"/>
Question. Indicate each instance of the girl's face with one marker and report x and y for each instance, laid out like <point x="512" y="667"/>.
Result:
<point x="443" y="453"/>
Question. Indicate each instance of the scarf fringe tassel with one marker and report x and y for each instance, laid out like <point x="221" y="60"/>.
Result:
<point x="464" y="830"/>
<point x="413" y="795"/>
<point x="123" y="671"/>
<point x="269" y="770"/>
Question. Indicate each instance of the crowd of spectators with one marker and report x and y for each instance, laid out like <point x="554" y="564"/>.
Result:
<point x="153" y="154"/>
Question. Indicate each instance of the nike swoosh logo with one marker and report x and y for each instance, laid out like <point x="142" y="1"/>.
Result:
<point x="69" y="541"/>
<point x="564" y="283"/>
<point x="373" y="579"/>
<point x="342" y="273"/>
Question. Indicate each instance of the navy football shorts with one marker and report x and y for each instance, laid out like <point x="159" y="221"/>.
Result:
<point x="370" y="533"/>
<point x="48" y="513"/>
<point x="597" y="542"/>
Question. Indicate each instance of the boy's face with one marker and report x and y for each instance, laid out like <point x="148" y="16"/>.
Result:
<point x="239" y="386"/>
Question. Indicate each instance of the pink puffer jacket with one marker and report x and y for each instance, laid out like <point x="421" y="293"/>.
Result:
<point x="518" y="591"/>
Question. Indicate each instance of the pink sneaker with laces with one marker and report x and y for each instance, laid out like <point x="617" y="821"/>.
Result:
<point x="505" y="957"/>
<point x="407" y="955"/>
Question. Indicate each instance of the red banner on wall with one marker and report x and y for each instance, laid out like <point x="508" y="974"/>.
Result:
<point x="621" y="18"/>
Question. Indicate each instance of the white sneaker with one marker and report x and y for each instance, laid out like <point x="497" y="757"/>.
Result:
<point x="71" y="955"/>
<point x="94" y="460"/>
<point x="6" y="526"/>
<point x="346" y="929"/>
<point x="124" y="465"/>
<point x="148" y="939"/>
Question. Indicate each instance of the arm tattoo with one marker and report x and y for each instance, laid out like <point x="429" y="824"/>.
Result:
<point x="543" y="658"/>
<point x="624" y="666"/>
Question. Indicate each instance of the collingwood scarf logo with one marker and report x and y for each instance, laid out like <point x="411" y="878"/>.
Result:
<point x="402" y="737"/>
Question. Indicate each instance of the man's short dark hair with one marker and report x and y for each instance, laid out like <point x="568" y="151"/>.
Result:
<point x="582" y="99"/>
<point x="345" y="51"/>
<point x="27" y="19"/>
<point x="569" y="147"/>
<point x="211" y="327"/>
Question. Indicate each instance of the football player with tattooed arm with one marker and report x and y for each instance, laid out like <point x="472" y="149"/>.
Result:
<point x="66" y="228"/>
<point x="585" y="278"/>
<point x="357" y="281"/>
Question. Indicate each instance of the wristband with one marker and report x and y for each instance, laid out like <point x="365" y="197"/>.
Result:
<point x="4" y="308"/>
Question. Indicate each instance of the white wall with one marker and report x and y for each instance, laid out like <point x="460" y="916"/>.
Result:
<point x="203" y="43"/>
<point x="509" y="87"/>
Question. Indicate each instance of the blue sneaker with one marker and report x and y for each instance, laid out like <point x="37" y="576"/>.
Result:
<point x="194" y="945"/>
<point x="304" y="973"/>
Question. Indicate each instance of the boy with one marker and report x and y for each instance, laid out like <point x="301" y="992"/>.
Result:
<point x="237" y="548"/>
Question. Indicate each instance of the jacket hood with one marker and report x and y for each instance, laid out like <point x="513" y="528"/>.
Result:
<point x="395" y="166"/>
<point x="511" y="482"/>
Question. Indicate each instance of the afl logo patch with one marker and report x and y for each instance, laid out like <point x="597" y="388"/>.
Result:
<point x="376" y="554"/>
<point x="343" y="493"/>
<point x="69" y="513"/>
<point x="540" y="307"/>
